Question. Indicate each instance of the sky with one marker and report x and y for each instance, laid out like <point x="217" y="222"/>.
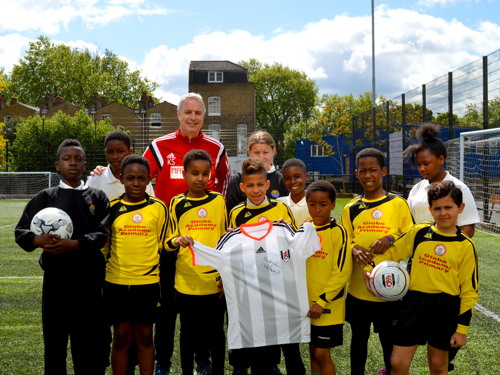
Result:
<point x="330" y="40"/>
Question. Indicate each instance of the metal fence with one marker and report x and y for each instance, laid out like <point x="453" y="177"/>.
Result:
<point x="449" y="99"/>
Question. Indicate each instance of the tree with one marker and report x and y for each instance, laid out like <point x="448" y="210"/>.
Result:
<point x="3" y="81"/>
<point x="3" y="149"/>
<point x="74" y="75"/>
<point x="473" y="116"/>
<point x="284" y="97"/>
<point x="37" y="139"/>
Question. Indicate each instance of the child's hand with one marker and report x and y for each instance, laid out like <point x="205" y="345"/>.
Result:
<point x="281" y="220"/>
<point x="184" y="241"/>
<point x="315" y="311"/>
<point x="458" y="340"/>
<point x="366" y="278"/>
<point x="381" y="245"/>
<point x="46" y="239"/>
<point x="99" y="170"/>
<point x="61" y="246"/>
<point x="362" y="256"/>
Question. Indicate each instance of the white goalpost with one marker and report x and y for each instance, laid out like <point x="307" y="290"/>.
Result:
<point x="475" y="159"/>
<point x="19" y="185"/>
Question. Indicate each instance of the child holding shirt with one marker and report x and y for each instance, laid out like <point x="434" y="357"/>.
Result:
<point x="198" y="215"/>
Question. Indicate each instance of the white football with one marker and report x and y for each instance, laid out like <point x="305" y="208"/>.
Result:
<point x="52" y="220"/>
<point x="390" y="280"/>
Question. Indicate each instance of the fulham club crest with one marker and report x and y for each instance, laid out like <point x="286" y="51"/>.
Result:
<point x="202" y="213"/>
<point x="285" y="255"/>
<point x="137" y="218"/>
<point x="440" y="249"/>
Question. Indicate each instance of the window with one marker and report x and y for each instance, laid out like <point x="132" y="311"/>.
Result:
<point x="214" y="106"/>
<point x="317" y="150"/>
<point x="241" y="139"/>
<point x="104" y="116"/>
<point x="155" y="120"/>
<point x="7" y="119"/>
<point x="214" y="131"/>
<point x="215" y="76"/>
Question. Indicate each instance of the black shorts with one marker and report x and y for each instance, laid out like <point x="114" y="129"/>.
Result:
<point x="131" y="303"/>
<point x="381" y="314"/>
<point x="327" y="336"/>
<point x="427" y="318"/>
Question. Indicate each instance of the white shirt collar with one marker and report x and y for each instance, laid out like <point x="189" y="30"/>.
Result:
<point x="63" y="185"/>
<point x="265" y="201"/>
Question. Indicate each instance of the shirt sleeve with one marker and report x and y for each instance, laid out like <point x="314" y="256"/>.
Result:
<point x="24" y="235"/>
<point x="223" y="175"/>
<point x="402" y="249"/>
<point x="97" y="238"/>
<point x="306" y="240"/>
<point x="153" y="165"/>
<point x="341" y="269"/>
<point x="468" y="279"/>
<point x="173" y="227"/>
<point x="204" y="255"/>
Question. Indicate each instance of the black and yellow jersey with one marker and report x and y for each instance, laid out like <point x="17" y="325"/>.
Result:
<point x="138" y="232"/>
<point x="271" y="209"/>
<point x="441" y="263"/>
<point x="205" y="220"/>
<point x="328" y="271"/>
<point x="366" y="221"/>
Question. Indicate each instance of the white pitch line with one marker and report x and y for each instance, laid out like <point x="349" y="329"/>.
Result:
<point x="6" y="226"/>
<point x="487" y="312"/>
<point x="21" y="277"/>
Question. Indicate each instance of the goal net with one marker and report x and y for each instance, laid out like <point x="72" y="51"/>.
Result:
<point x="18" y="185"/>
<point x="474" y="158"/>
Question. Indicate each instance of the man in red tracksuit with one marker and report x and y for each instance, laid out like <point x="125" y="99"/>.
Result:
<point x="165" y="155"/>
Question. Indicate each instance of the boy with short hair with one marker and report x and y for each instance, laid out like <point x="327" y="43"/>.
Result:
<point x="257" y="207"/>
<point x="73" y="268"/>
<point x="443" y="283"/>
<point x="374" y="221"/>
<point x="328" y="272"/>
<point x="295" y="177"/>
<point x="198" y="215"/>
<point x="117" y="145"/>
<point x="132" y="290"/>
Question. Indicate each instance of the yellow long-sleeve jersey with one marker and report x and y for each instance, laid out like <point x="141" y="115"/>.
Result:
<point x="369" y="220"/>
<point x="328" y="272"/>
<point x="205" y="220"/>
<point x="441" y="263"/>
<point x="137" y="237"/>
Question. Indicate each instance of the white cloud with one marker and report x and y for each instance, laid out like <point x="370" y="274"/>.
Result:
<point x="12" y="48"/>
<point x="411" y="49"/>
<point x="50" y="17"/>
<point x="432" y="3"/>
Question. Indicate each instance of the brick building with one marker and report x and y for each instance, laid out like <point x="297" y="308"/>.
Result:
<point x="230" y="101"/>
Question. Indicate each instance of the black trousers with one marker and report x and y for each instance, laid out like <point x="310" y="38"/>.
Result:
<point x="73" y="310"/>
<point x="202" y="328"/>
<point x="165" y="326"/>
<point x="361" y="314"/>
